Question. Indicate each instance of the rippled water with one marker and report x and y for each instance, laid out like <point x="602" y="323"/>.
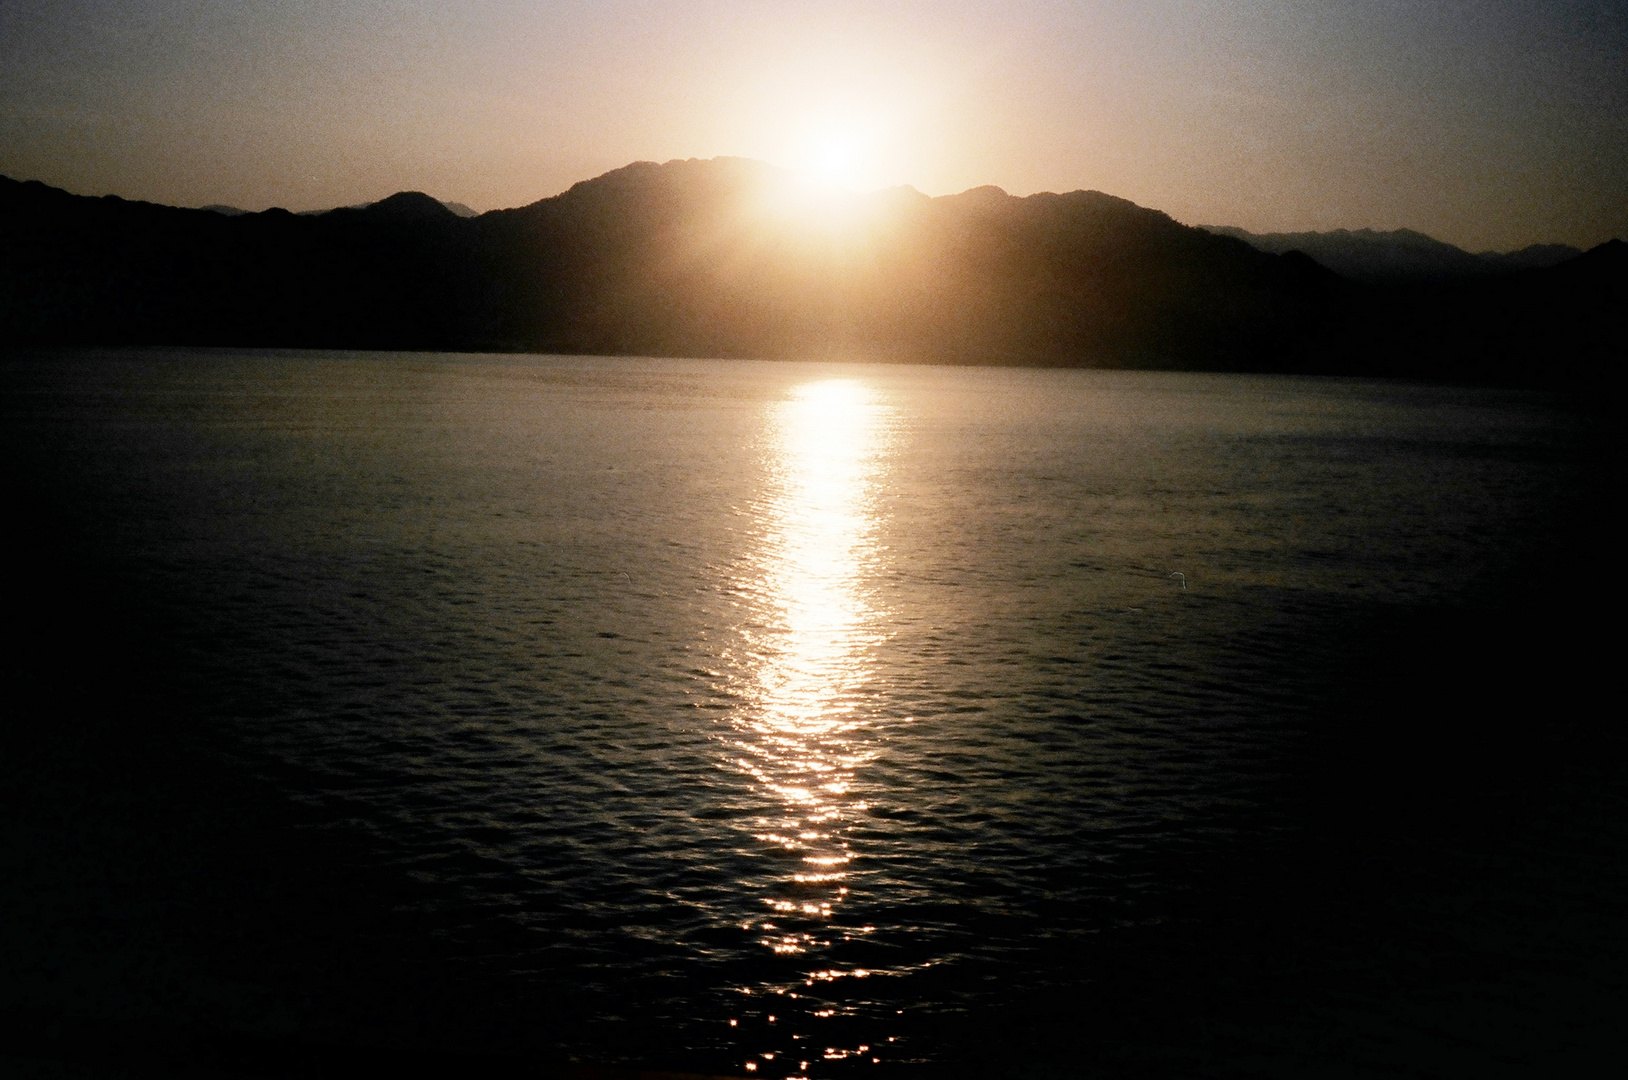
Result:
<point x="769" y="709"/>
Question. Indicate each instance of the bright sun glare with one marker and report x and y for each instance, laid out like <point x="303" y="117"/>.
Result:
<point x="834" y="161"/>
<point x="835" y="155"/>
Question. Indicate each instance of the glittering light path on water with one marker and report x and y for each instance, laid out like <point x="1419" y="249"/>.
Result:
<point x="803" y="732"/>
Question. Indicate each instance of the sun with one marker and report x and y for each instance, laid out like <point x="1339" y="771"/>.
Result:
<point x="830" y="163"/>
<point x="834" y="160"/>
<point x="837" y="155"/>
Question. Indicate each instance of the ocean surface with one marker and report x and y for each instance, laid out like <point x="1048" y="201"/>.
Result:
<point x="786" y="719"/>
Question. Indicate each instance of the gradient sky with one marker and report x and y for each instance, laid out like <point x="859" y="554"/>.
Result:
<point x="1487" y="123"/>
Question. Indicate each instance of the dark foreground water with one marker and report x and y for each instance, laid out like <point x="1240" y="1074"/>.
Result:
<point x="381" y="713"/>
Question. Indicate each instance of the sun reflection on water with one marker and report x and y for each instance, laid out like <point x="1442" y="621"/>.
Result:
<point x="801" y="735"/>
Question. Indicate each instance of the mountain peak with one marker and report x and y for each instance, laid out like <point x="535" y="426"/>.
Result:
<point x="410" y="206"/>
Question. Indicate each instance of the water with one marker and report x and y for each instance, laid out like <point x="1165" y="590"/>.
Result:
<point x="793" y="718"/>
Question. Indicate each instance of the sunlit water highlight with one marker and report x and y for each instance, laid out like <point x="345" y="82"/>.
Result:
<point x="803" y="733"/>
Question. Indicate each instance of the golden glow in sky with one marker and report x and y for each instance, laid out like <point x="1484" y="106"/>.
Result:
<point x="1485" y="124"/>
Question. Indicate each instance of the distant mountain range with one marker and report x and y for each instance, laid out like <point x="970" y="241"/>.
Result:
<point x="1399" y="257"/>
<point x="232" y="211"/>
<point x="732" y="258"/>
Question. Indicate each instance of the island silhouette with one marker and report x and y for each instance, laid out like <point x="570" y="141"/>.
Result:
<point x="734" y="258"/>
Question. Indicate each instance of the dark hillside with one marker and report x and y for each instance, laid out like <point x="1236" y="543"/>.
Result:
<point x="105" y="271"/>
<point x="1399" y="257"/>
<point x="714" y="258"/>
<point x="1563" y="326"/>
<point x="731" y="257"/>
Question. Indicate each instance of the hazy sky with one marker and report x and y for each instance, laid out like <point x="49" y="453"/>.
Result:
<point x="1488" y="123"/>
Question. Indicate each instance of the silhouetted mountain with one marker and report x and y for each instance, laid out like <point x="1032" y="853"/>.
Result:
<point x="457" y="208"/>
<point x="1402" y="256"/>
<point x="731" y="257"/>
<point x="1533" y="256"/>
<point x="1566" y="325"/>
<point x="734" y="258"/>
<point x="407" y="206"/>
<point x="229" y="211"/>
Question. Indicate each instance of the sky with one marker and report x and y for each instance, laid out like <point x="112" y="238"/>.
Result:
<point x="1491" y="124"/>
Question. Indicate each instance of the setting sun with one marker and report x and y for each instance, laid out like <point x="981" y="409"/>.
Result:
<point x="835" y="160"/>
<point x="839" y="150"/>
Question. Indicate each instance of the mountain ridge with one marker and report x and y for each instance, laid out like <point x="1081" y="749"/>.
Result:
<point x="733" y="258"/>
<point x="1399" y="256"/>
